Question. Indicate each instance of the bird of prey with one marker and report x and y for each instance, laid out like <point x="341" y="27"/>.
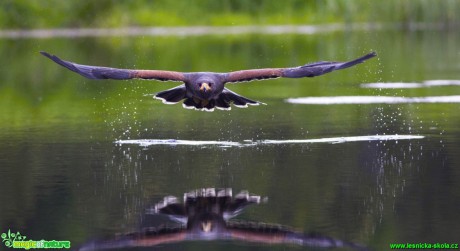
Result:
<point x="206" y="90"/>
<point x="206" y="215"/>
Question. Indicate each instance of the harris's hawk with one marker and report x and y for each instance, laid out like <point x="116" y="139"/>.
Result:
<point x="206" y="90"/>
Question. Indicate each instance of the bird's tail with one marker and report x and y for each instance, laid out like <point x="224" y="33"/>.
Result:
<point x="222" y="102"/>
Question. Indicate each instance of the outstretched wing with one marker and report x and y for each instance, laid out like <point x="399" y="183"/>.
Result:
<point x="308" y="70"/>
<point x="148" y="238"/>
<point x="251" y="233"/>
<point x="275" y="234"/>
<point x="98" y="72"/>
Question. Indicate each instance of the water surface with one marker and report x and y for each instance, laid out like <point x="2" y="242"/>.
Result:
<point x="76" y="161"/>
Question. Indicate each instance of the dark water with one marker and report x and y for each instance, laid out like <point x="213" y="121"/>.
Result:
<point x="67" y="171"/>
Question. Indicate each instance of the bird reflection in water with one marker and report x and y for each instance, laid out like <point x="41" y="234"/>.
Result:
<point x="207" y="214"/>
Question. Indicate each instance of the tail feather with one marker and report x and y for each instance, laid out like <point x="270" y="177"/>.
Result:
<point x="189" y="104"/>
<point x="222" y="102"/>
<point x="203" y="105"/>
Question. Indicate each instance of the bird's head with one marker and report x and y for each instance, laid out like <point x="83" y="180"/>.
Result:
<point x="205" y="87"/>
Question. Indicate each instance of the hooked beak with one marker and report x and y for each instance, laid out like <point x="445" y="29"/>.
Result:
<point x="205" y="87"/>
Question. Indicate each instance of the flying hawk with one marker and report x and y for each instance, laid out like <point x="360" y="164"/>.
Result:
<point x="206" y="90"/>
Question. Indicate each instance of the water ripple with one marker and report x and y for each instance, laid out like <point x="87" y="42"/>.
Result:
<point x="373" y="100"/>
<point x="174" y="142"/>
<point x="404" y="85"/>
<point x="333" y="140"/>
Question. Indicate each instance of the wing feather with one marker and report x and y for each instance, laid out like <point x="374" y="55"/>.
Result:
<point x="148" y="238"/>
<point x="276" y="234"/>
<point x="99" y="72"/>
<point x="308" y="70"/>
<point x="254" y="74"/>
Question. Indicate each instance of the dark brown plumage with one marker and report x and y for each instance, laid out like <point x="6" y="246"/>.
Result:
<point x="206" y="90"/>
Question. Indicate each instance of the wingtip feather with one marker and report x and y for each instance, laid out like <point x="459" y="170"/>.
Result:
<point x="46" y="54"/>
<point x="369" y="55"/>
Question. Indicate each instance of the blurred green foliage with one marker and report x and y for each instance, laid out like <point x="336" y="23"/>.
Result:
<point x="115" y="13"/>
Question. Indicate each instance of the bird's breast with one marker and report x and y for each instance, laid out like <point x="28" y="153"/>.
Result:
<point x="202" y="102"/>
